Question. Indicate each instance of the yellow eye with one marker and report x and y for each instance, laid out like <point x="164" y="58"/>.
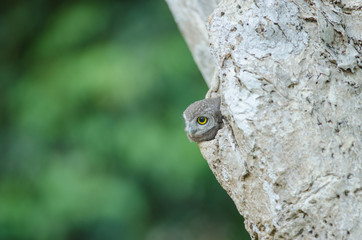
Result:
<point x="202" y="120"/>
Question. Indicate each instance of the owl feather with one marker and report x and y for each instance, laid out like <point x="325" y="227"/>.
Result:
<point x="203" y="119"/>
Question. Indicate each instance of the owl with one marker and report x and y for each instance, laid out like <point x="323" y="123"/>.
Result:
<point x="203" y="119"/>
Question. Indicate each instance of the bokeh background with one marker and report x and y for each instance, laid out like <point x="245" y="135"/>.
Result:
<point x="91" y="134"/>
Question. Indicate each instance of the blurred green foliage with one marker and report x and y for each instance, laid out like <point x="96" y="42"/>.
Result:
<point x="91" y="140"/>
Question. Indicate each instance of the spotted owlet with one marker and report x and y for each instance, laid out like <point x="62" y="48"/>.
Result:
<point x="203" y="119"/>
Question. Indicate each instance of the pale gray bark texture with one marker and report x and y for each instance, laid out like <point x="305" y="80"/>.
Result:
<point x="290" y="71"/>
<point x="191" y="16"/>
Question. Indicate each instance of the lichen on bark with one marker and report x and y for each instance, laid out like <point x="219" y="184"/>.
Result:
<point x="290" y="81"/>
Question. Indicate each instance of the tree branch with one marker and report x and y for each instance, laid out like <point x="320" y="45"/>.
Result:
<point x="290" y="81"/>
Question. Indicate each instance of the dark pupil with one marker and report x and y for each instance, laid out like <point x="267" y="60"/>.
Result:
<point x="202" y="119"/>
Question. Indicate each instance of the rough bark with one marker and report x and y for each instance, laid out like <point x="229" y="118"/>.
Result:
<point x="289" y="154"/>
<point x="190" y="16"/>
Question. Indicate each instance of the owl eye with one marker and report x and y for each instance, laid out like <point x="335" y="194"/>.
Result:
<point x="202" y="120"/>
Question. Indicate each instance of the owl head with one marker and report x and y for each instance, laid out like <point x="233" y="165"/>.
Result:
<point x="203" y="119"/>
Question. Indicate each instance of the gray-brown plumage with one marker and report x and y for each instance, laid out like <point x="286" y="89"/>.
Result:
<point x="203" y="119"/>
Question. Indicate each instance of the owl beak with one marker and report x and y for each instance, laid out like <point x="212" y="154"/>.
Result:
<point x="190" y="134"/>
<point x="192" y="131"/>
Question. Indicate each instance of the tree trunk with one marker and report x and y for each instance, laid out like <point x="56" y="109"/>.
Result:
<point x="190" y="16"/>
<point x="290" y="72"/>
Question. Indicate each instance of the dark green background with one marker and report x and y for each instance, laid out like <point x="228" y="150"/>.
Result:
<point x="91" y="140"/>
